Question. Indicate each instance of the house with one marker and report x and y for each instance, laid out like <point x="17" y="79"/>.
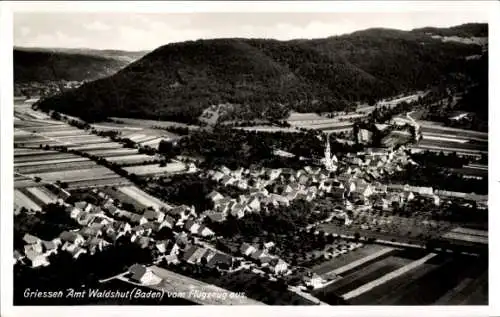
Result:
<point x="278" y="200"/>
<point x="278" y="266"/>
<point x="254" y="204"/>
<point x="95" y="245"/>
<point x="325" y="185"/>
<point x="142" y="230"/>
<point x="143" y="275"/>
<point x="217" y="176"/>
<point x="215" y="196"/>
<point x="182" y="212"/>
<point x="81" y="205"/>
<point x="204" y="231"/>
<point x="216" y="216"/>
<point x="239" y="210"/>
<point x="49" y="247"/>
<point x="273" y="174"/>
<point x="247" y="249"/>
<point x="18" y="257"/>
<point x="242" y="184"/>
<point x="171" y="259"/>
<point x="164" y="246"/>
<point x="258" y="254"/>
<point x="72" y="237"/>
<point x="74" y="212"/>
<point x="35" y="259"/>
<point x="84" y="218"/>
<point x="221" y="261"/>
<point x="193" y="254"/>
<point x="152" y="215"/>
<point x="168" y="222"/>
<point x="363" y="188"/>
<point x="381" y="203"/>
<point x="191" y="226"/>
<point x="228" y="180"/>
<point x="269" y="245"/>
<point x="313" y="280"/>
<point x="112" y="209"/>
<point x="90" y="232"/>
<point x="35" y="247"/>
<point x="31" y="239"/>
<point x="225" y="170"/>
<point x="77" y="252"/>
<point x="143" y="242"/>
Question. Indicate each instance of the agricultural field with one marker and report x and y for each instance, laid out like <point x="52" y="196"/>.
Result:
<point x="134" y="158"/>
<point x="444" y="280"/>
<point x="142" y="198"/>
<point x="47" y="167"/>
<point x="21" y="200"/>
<point x="447" y="143"/>
<point x="41" y="156"/>
<point x="43" y="194"/>
<point x="97" y="146"/>
<point x="47" y="162"/>
<point x="113" y="152"/>
<point x="156" y="169"/>
<point x="73" y="175"/>
<point x="347" y="259"/>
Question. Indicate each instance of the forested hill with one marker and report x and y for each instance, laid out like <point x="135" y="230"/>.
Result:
<point x="177" y="81"/>
<point x="40" y="64"/>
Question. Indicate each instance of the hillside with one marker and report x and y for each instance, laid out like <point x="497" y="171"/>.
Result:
<point x="177" y="81"/>
<point x="39" y="64"/>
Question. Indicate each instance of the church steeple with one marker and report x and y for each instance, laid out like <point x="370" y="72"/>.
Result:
<point x="329" y="159"/>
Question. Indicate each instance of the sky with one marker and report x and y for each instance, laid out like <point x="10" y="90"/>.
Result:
<point x="147" y="31"/>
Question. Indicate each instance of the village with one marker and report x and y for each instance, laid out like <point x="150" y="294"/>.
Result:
<point x="179" y="235"/>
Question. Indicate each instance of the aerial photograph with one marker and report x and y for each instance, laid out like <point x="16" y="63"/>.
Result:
<point x="267" y="158"/>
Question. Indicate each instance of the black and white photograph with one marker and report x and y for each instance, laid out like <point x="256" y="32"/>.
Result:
<point x="267" y="157"/>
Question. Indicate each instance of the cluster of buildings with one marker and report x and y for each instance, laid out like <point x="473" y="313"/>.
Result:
<point x="102" y="226"/>
<point x="264" y="259"/>
<point x="44" y="89"/>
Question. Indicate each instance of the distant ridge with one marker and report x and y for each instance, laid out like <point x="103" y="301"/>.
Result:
<point x="179" y="80"/>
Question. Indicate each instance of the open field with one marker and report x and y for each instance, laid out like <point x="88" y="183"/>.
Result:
<point x="50" y="162"/>
<point x="95" y="146"/>
<point x="364" y="288"/>
<point x="21" y="200"/>
<point x="113" y="152"/>
<point x="427" y="128"/>
<point x="43" y="194"/>
<point x="347" y="258"/>
<point x="41" y="156"/>
<point x="428" y="283"/>
<point x="43" y="168"/>
<point x="475" y="232"/>
<point x="143" y="198"/>
<point x="74" y="175"/>
<point x="465" y="237"/>
<point x="134" y="158"/>
<point x="28" y="152"/>
<point x="451" y="144"/>
<point x="155" y="169"/>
